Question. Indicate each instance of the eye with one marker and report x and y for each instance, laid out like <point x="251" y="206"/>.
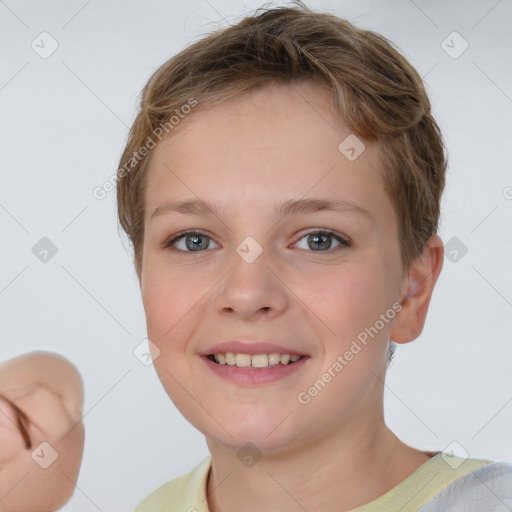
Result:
<point x="322" y="239"/>
<point x="191" y="241"/>
<point x="197" y="241"/>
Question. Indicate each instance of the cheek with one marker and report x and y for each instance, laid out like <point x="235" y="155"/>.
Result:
<point x="171" y="296"/>
<point x="346" y="299"/>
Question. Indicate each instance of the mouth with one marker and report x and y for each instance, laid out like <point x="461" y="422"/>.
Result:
<point x="254" y="361"/>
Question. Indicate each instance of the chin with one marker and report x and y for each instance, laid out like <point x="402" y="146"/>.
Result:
<point x="268" y="436"/>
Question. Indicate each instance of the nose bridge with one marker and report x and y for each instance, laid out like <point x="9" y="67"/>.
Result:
<point x="250" y="284"/>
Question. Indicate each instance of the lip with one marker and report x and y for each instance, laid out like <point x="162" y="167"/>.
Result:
<point x="252" y="348"/>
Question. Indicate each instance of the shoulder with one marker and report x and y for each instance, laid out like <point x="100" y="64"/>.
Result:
<point x="486" y="488"/>
<point x="186" y="492"/>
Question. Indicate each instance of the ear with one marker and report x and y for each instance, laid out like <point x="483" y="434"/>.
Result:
<point x="416" y="291"/>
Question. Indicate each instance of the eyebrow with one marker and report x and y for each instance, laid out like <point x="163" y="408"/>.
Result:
<point x="288" y="207"/>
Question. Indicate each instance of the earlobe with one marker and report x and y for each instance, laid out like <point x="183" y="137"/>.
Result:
<point x="417" y="290"/>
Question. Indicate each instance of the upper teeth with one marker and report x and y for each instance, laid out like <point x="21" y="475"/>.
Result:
<point x="256" y="361"/>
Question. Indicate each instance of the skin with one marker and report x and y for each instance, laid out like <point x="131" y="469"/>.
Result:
<point x="48" y="389"/>
<point x="248" y="154"/>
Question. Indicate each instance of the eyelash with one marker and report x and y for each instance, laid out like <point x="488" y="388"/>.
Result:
<point x="321" y="231"/>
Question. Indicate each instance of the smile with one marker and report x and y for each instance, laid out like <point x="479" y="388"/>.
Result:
<point x="244" y="369"/>
<point x="260" y="361"/>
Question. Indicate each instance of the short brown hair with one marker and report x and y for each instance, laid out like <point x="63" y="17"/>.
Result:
<point x="377" y="93"/>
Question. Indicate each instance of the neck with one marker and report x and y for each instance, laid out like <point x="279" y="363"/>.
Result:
<point x="341" y="471"/>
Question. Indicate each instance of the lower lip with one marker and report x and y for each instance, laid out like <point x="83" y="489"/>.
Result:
<point x="254" y="376"/>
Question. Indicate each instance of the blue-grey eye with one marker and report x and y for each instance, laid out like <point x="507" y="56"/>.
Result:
<point x="321" y="241"/>
<point x="193" y="241"/>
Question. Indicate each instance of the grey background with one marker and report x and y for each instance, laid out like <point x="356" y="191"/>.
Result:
<point x="63" y="123"/>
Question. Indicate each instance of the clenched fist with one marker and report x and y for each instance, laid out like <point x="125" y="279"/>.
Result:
<point x="41" y="432"/>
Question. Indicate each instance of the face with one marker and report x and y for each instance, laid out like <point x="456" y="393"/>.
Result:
<point x="263" y="282"/>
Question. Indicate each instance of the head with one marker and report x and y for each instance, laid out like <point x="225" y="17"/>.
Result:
<point x="287" y="105"/>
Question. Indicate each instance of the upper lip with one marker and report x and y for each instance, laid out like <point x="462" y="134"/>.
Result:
<point x="252" y="348"/>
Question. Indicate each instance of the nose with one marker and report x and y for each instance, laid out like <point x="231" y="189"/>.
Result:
<point x="252" y="290"/>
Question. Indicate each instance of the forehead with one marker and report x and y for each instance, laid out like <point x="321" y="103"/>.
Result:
<point x="295" y="117"/>
<point x="280" y="141"/>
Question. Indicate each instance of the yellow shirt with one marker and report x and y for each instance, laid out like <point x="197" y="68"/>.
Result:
<point x="187" y="493"/>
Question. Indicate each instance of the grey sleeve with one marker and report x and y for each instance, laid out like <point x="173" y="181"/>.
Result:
<point x="487" y="489"/>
